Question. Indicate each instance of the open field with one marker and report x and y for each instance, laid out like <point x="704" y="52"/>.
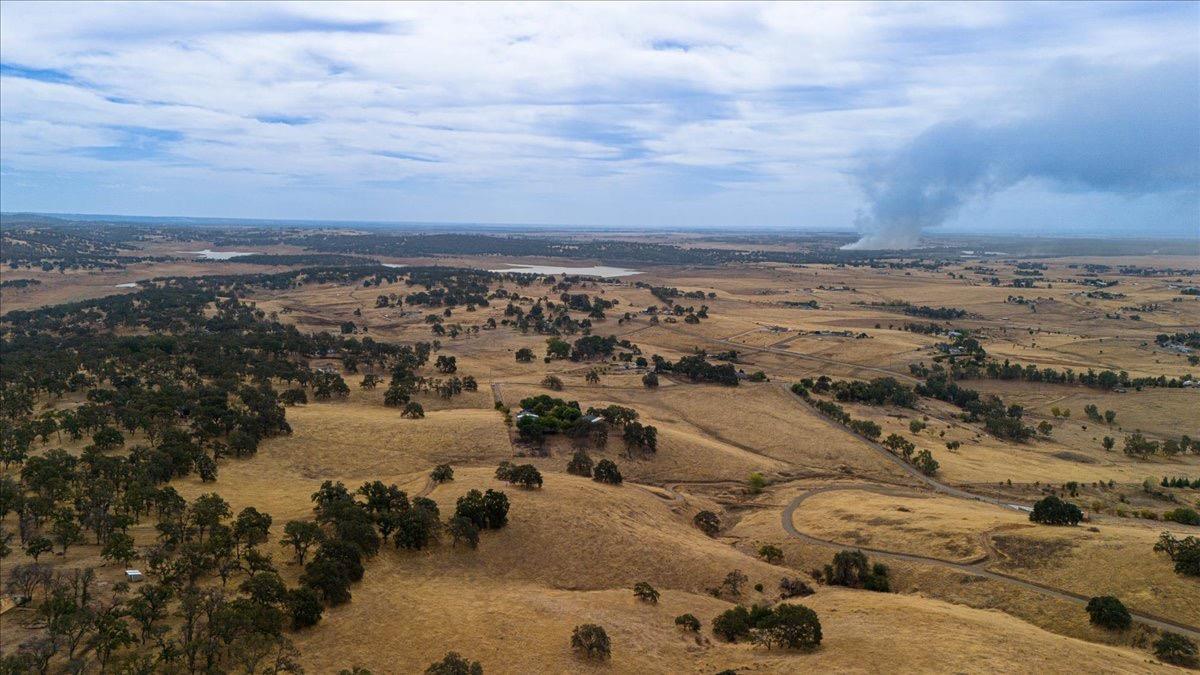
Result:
<point x="573" y="549"/>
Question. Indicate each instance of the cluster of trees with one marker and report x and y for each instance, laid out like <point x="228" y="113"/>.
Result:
<point x="587" y="348"/>
<point x="19" y="283"/>
<point x="922" y="460"/>
<point x="1137" y="445"/>
<point x="786" y="626"/>
<point x="1051" y="510"/>
<point x="524" y="475"/>
<point x="177" y="619"/>
<point x="1185" y="552"/>
<point x="68" y="246"/>
<point x="554" y="415"/>
<point x="923" y="311"/>
<point x="449" y="286"/>
<point x="1104" y="379"/>
<point x="852" y="569"/>
<point x="1180" y="482"/>
<point x="1093" y="413"/>
<point x="669" y="293"/>
<point x="998" y="419"/>
<point x="879" y="391"/>
<point x="605" y="471"/>
<point x="582" y="302"/>
<point x="546" y="318"/>
<point x="697" y="369"/>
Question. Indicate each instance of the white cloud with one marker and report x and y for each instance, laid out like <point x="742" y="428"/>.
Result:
<point x="519" y="99"/>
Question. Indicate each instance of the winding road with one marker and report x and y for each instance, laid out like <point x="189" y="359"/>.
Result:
<point x="976" y="568"/>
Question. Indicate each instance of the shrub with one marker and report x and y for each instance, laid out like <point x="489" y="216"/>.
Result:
<point x="552" y="382"/>
<point x="790" y="627"/>
<point x="650" y="380"/>
<point x="1108" y="612"/>
<point x="688" y="622"/>
<point x="580" y="464"/>
<point x="413" y="410"/>
<point x="708" y="522"/>
<point x="770" y="553"/>
<point x="756" y="482"/>
<point x="606" y="471"/>
<point x="454" y="664"/>
<point x="591" y="641"/>
<point x="793" y="588"/>
<point x="1183" y="515"/>
<point x="1053" y="511"/>
<point x="645" y="592"/>
<point x="1176" y="649"/>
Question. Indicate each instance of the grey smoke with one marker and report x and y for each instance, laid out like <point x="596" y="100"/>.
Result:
<point x="1131" y="132"/>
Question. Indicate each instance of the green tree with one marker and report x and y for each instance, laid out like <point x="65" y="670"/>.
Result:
<point x="1053" y="511"/>
<point x="302" y="535"/>
<point x="305" y="607"/>
<point x="454" y="664"/>
<point x="37" y="545"/>
<point x="606" y="471"/>
<point x="119" y="549"/>
<point x="771" y="553"/>
<point x="688" y="622"/>
<point x="462" y="529"/>
<point x="789" y="627"/>
<point x="580" y="464"/>
<point x="645" y="592"/>
<point x="1108" y="612"/>
<point x="591" y="641"/>
<point x="442" y="473"/>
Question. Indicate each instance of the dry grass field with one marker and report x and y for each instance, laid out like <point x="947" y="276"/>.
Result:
<point x="574" y="548"/>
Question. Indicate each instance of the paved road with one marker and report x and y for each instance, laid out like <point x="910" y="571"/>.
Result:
<point x="976" y="568"/>
<point x="943" y="488"/>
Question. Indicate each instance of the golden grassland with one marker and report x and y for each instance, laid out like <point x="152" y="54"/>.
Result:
<point x="574" y="548"/>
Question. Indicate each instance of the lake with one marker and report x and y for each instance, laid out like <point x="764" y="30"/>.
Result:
<point x="218" y="255"/>
<point x="593" y="271"/>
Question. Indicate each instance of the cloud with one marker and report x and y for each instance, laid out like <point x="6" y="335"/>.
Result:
<point x="1131" y="132"/>
<point x="710" y="113"/>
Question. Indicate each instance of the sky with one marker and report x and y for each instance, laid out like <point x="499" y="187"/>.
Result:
<point x="893" y="118"/>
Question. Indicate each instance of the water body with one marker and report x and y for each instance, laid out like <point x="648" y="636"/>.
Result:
<point x="219" y="255"/>
<point x="593" y="271"/>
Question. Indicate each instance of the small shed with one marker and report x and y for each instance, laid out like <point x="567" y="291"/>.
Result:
<point x="526" y="413"/>
<point x="134" y="576"/>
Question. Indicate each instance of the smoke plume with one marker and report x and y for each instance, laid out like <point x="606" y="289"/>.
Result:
<point x="1132" y="133"/>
